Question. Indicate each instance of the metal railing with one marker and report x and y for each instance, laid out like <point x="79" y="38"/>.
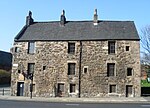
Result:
<point x="4" y="91"/>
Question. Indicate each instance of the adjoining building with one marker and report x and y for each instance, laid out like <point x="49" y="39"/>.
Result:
<point x="96" y="58"/>
<point x="5" y="60"/>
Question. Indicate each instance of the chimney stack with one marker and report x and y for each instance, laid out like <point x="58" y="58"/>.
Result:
<point x="29" y="19"/>
<point x="62" y="18"/>
<point x="95" y="17"/>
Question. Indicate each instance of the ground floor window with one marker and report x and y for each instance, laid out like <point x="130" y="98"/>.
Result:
<point x="60" y="87"/>
<point x="72" y="88"/>
<point x="112" y="89"/>
<point x="128" y="90"/>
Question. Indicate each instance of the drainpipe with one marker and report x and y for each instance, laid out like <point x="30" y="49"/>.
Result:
<point x="80" y="69"/>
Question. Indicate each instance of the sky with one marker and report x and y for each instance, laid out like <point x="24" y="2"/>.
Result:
<point x="13" y="13"/>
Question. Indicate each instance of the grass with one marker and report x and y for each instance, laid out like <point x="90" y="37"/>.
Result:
<point x="145" y="83"/>
<point x="5" y="77"/>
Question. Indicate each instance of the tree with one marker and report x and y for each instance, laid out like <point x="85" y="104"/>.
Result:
<point x="145" y="43"/>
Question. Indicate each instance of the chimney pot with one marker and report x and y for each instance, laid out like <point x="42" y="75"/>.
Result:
<point x="29" y="19"/>
<point x="95" y="17"/>
<point x="62" y="18"/>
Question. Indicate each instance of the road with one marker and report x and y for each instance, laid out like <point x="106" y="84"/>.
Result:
<point x="25" y="104"/>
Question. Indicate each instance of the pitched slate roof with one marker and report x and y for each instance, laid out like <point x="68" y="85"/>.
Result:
<point x="78" y="30"/>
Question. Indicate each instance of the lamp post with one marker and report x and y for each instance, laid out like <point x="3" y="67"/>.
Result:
<point x="31" y="84"/>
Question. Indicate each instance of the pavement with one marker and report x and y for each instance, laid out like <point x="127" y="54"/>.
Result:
<point x="80" y="100"/>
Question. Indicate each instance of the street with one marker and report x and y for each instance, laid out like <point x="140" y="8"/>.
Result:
<point x="26" y="104"/>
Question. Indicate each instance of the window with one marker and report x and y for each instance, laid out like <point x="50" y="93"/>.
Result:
<point x="72" y="88"/>
<point x="71" y="68"/>
<point x="71" y="48"/>
<point x="127" y="48"/>
<point x="110" y="69"/>
<point x="111" y="47"/>
<point x="16" y="49"/>
<point x="112" y="89"/>
<point x="31" y="47"/>
<point x="31" y="68"/>
<point x="129" y="71"/>
<point x="44" y="67"/>
<point x="19" y="71"/>
<point x="85" y="69"/>
<point x="60" y="87"/>
<point x="128" y="90"/>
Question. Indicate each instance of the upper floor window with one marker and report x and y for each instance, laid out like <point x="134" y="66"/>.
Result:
<point x="111" y="47"/>
<point x="110" y="69"/>
<point x="31" y="68"/>
<point x="71" y="68"/>
<point x="129" y="72"/>
<point x="85" y="69"/>
<point x="31" y="47"/>
<point x="16" y="49"/>
<point x="127" y="48"/>
<point x="71" y="48"/>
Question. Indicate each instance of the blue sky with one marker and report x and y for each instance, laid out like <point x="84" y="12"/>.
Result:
<point x="14" y="12"/>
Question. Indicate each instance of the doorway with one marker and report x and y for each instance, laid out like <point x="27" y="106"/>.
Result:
<point x="20" y="88"/>
<point x="128" y="90"/>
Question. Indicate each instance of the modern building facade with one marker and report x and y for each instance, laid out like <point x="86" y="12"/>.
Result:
<point x="94" y="58"/>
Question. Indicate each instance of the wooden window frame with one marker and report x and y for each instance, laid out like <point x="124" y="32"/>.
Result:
<point x="111" y="47"/>
<point x="71" y="68"/>
<point x="71" y="48"/>
<point x="110" y="69"/>
<point x="72" y="88"/>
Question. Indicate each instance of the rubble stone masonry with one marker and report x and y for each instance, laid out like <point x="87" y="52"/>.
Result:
<point x="54" y="57"/>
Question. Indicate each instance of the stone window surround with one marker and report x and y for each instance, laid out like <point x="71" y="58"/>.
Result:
<point x="132" y="88"/>
<point x="127" y="72"/>
<point x="114" y="69"/>
<point x="115" y="46"/>
<point x="87" y="69"/>
<point x="109" y="88"/>
<point x="127" y="48"/>
<point x="74" y="46"/>
<point x="60" y="83"/>
<point x="72" y="61"/>
<point x="75" y="88"/>
<point x="28" y="50"/>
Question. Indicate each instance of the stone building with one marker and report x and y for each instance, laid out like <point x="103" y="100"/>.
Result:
<point x="94" y="58"/>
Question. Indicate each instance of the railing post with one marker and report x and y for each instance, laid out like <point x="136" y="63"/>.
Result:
<point x="3" y="92"/>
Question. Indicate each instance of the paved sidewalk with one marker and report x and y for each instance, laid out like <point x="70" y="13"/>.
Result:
<point x="81" y="100"/>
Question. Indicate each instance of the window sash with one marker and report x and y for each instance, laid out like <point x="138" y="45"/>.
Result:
<point x="31" y="47"/>
<point x="60" y="87"/>
<point x="71" y="69"/>
<point x="71" y="48"/>
<point x="72" y="88"/>
<point x="112" y="89"/>
<point x="110" y="69"/>
<point x="111" y="47"/>
<point x="31" y="68"/>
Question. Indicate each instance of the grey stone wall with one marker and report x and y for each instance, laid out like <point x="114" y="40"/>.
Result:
<point x="94" y="83"/>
